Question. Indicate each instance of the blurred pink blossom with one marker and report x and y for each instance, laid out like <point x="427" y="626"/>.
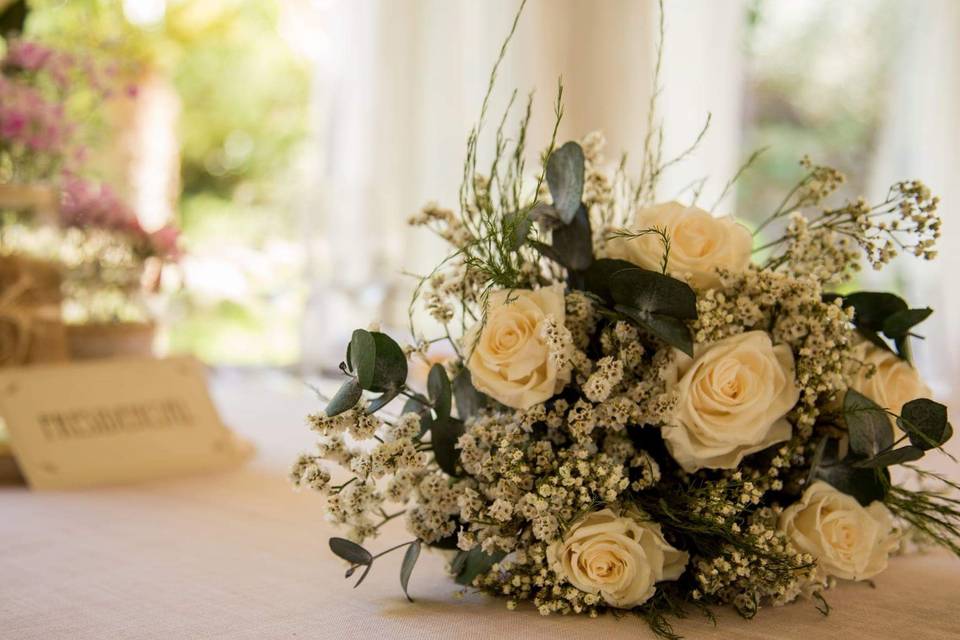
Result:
<point x="89" y="205"/>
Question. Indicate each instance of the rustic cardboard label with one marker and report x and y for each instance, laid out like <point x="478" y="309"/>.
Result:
<point x="114" y="421"/>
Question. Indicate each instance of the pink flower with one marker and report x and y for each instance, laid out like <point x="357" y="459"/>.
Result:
<point x="85" y="204"/>
<point x="165" y="241"/>
<point x="28" y="56"/>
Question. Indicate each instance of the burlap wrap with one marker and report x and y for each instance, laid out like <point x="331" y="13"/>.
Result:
<point x="31" y="329"/>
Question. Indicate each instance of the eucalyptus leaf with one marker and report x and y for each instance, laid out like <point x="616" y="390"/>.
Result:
<point x="925" y="423"/>
<point x="406" y="568"/>
<point x="565" y="173"/>
<point x="362" y="357"/>
<point x="875" y="338"/>
<point x="378" y="361"/>
<point x="597" y="276"/>
<point x="548" y="252"/>
<point x="467" y="565"/>
<point x="899" y="324"/>
<point x="890" y="458"/>
<point x="443" y="440"/>
<point x="350" y="551"/>
<point x="382" y="400"/>
<point x="522" y="224"/>
<point x="573" y="243"/>
<point x="872" y="308"/>
<point x="653" y="292"/>
<point x="817" y="459"/>
<point x="441" y="394"/>
<point x="469" y="401"/>
<point x="545" y="216"/>
<point x="345" y="398"/>
<point x="867" y="424"/>
<point x="866" y="485"/>
<point x="674" y="332"/>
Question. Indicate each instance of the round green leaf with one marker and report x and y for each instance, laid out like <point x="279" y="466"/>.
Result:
<point x="866" y="485"/>
<point x="597" y="276"/>
<point x="925" y="423"/>
<point x="573" y="243"/>
<point x="406" y="568"/>
<point x="467" y="565"/>
<point x="872" y="308"/>
<point x="362" y="357"/>
<point x="868" y="424"/>
<point x="350" y="551"/>
<point x="900" y="323"/>
<point x="346" y="397"/>
<point x="441" y="394"/>
<point x="565" y="169"/>
<point x="378" y="361"/>
<point x="443" y="440"/>
<point x="469" y="401"/>
<point x="653" y="292"/>
<point x="674" y="332"/>
<point x="890" y="458"/>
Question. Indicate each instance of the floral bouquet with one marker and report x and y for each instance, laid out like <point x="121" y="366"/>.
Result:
<point x="649" y="411"/>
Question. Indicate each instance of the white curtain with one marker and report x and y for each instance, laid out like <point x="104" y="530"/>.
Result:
<point x="921" y="139"/>
<point x="402" y="85"/>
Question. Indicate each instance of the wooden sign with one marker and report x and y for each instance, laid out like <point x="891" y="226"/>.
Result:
<point x="114" y="421"/>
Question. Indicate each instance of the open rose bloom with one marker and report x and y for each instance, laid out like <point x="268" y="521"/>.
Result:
<point x="640" y="413"/>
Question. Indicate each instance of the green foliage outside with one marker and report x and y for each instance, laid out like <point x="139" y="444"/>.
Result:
<point x="244" y="100"/>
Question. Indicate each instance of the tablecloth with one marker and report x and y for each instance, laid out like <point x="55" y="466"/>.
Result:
<point x="240" y="555"/>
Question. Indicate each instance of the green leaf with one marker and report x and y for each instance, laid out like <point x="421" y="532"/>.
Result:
<point x="443" y="440"/>
<point x="565" y="169"/>
<point x="438" y="387"/>
<point x="350" y="551"/>
<point x="817" y="459"/>
<point x="890" y="458"/>
<point x="866" y="485"/>
<point x="467" y="565"/>
<point x="652" y="292"/>
<point x="874" y="337"/>
<point x="573" y="243"/>
<point x="520" y="223"/>
<point x="867" y="424"/>
<point x="925" y="423"/>
<point x="872" y="308"/>
<point x="382" y="400"/>
<point x="406" y="568"/>
<point x="597" y="276"/>
<point x="470" y="402"/>
<point x="362" y="356"/>
<point x="899" y="324"/>
<point x="13" y="18"/>
<point x="674" y="332"/>
<point x="346" y="398"/>
<point x="378" y="361"/>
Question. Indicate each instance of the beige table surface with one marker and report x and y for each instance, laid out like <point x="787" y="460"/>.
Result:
<point x="239" y="555"/>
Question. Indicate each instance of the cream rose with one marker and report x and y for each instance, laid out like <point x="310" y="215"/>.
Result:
<point x="510" y="359"/>
<point x="731" y="401"/>
<point x="617" y="556"/>
<point x="895" y="381"/>
<point x="699" y="243"/>
<point x="848" y="540"/>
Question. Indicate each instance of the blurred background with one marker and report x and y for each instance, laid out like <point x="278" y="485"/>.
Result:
<point x="288" y="141"/>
